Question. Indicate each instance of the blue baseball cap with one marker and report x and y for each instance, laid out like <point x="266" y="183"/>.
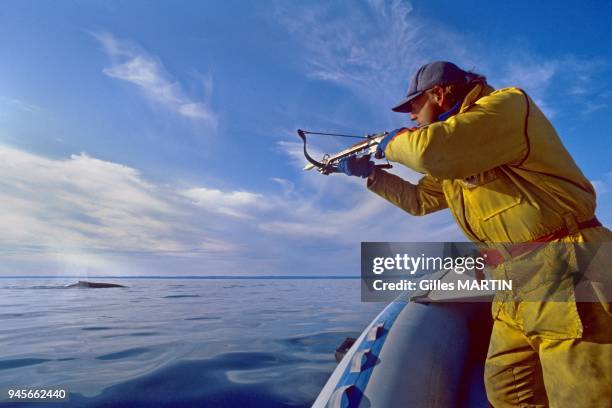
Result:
<point x="429" y="75"/>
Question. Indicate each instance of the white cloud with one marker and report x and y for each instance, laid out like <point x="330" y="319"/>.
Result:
<point x="370" y="52"/>
<point x="233" y="203"/>
<point x="218" y="245"/>
<point x="80" y="202"/>
<point x="132" y="64"/>
<point x="533" y="76"/>
<point x="600" y="187"/>
<point x="365" y="217"/>
<point x="287" y="186"/>
<point x="550" y="80"/>
<point x="604" y="185"/>
<point x="83" y="213"/>
<point x="21" y="104"/>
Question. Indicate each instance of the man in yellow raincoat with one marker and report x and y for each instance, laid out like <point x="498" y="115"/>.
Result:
<point x="494" y="159"/>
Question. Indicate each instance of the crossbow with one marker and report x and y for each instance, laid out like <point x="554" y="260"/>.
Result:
<point x="329" y="162"/>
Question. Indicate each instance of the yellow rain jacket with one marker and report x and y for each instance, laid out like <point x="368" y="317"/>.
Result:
<point x="501" y="169"/>
<point x="498" y="165"/>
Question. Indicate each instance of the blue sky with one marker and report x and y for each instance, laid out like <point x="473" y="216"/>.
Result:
<point x="158" y="138"/>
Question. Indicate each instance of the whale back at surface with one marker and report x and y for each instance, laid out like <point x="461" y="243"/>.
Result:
<point x="95" y="285"/>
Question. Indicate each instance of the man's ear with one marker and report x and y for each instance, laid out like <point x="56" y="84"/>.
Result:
<point x="437" y="93"/>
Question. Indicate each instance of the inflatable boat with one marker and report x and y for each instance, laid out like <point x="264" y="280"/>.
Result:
<point x="423" y="350"/>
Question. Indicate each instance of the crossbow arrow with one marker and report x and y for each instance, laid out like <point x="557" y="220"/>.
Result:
<point x="329" y="163"/>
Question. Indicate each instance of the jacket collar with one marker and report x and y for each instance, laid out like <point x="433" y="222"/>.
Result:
<point x="478" y="91"/>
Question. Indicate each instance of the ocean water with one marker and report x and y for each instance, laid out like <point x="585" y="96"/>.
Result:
<point x="177" y="342"/>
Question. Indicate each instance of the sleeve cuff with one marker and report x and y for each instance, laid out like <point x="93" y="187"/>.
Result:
<point x="372" y="182"/>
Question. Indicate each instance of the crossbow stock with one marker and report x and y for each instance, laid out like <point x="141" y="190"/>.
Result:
<point x="329" y="162"/>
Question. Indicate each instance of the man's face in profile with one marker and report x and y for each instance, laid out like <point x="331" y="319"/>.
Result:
<point x="425" y="108"/>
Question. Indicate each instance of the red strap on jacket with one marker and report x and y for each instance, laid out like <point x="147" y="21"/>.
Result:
<point x="495" y="257"/>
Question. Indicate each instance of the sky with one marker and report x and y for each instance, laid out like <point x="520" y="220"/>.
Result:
<point x="158" y="137"/>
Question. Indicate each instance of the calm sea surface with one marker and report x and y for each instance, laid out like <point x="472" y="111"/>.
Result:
<point x="177" y="342"/>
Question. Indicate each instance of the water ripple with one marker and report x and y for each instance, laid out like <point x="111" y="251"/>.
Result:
<point x="21" y="362"/>
<point x="124" y="354"/>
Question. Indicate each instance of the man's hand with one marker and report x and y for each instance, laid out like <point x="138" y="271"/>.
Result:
<point x="356" y="166"/>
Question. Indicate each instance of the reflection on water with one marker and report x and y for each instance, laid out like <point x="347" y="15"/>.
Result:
<point x="179" y="343"/>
